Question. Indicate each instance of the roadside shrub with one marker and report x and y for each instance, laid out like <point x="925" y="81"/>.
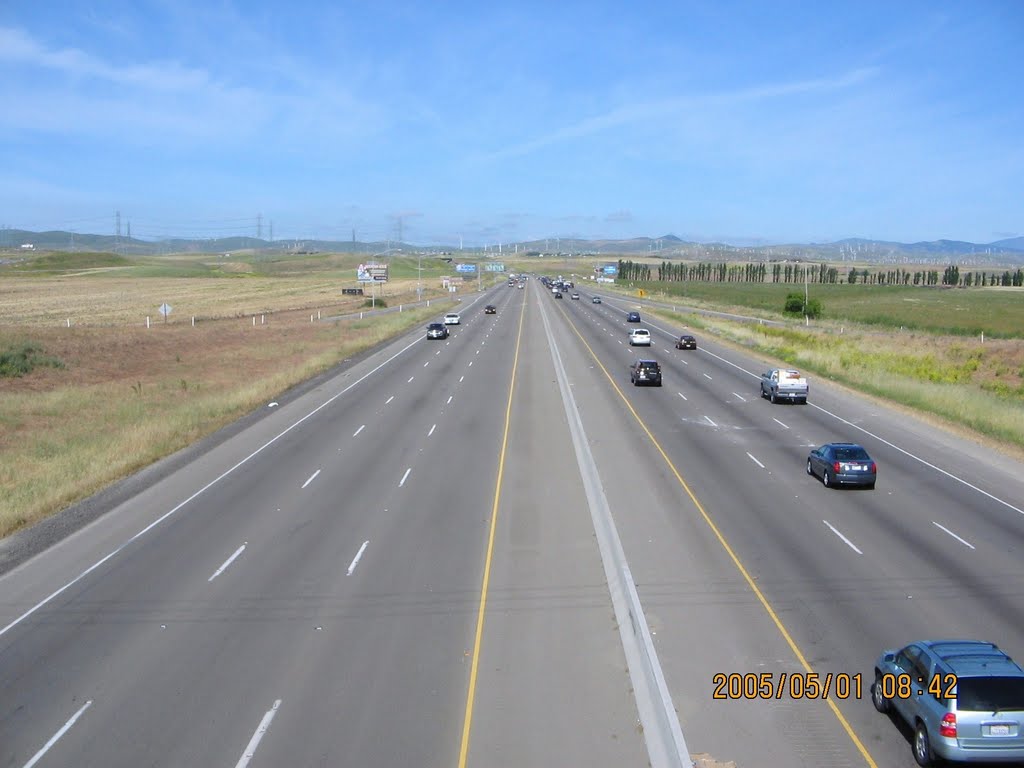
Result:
<point x="374" y="303"/>
<point x="20" y="359"/>
<point x="794" y="304"/>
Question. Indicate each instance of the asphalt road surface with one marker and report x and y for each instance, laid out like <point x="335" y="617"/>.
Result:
<point x="399" y="567"/>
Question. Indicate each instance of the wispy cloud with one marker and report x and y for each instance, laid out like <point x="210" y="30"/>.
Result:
<point x="169" y="102"/>
<point x="17" y="47"/>
<point x="660" y="109"/>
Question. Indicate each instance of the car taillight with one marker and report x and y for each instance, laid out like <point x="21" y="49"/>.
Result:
<point x="874" y="467"/>
<point x="835" y="467"/>
<point x="948" y="725"/>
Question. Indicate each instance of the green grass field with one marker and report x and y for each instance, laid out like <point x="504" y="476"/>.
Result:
<point x="998" y="312"/>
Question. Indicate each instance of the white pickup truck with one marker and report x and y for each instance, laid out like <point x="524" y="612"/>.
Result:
<point x="784" y="384"/>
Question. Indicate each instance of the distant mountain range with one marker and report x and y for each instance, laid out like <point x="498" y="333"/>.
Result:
<point x="1002" y="252"/>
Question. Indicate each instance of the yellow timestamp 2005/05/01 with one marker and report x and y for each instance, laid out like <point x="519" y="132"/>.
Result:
<point x="793" y="685"/>
<point x="904" y="686"/>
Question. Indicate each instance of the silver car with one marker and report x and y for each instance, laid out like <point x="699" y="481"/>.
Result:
<point x="963" y="699"/>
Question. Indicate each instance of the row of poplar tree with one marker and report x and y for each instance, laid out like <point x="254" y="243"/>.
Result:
<point x="813" y="273"/>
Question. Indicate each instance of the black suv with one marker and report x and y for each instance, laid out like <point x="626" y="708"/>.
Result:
<point x="645" y="372"/>
<point x="633" y="317"/>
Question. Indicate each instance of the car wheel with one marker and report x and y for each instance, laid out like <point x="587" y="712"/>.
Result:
<point x="922" y="746"/>
<point x="825" y="481"/>
<point x="881" y="703"/>
<point x="871" y="487"/>
<point x="809" y="470"/>
<point x="659" y="383"/>
<point x="772" y="397"/>
<point x="803" y="401"/>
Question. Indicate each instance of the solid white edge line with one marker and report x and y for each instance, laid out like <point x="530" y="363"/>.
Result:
<point x="311" y="479"/>
<point x="944" y="528"/>
<point x="755" y="460"/>
<point x="261" y="729"/>
<point x="359" y="554"/>
<point x="404" y="477"/>
<point x="918" y="458"/>
<point x="904" y="451"/>
<point x="53" y="740"/>
<point x="202" y="490"/>
<point x="779" y="423"/>
<point x="359" y="430"/>
<point x="227" y="562"/>
<point x="849" y="543"/>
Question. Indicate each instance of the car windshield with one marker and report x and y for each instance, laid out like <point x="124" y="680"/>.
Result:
<point x="852" y="454"/>
<point x="990" y="694"/>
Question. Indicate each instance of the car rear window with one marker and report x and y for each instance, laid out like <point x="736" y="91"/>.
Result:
<point x="852" y="454"/>
<point x="990" y="694"/>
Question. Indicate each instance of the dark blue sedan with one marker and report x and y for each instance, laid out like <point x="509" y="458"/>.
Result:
<point x="842" y="464"/>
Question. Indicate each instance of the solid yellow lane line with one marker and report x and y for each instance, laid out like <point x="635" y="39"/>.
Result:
<point x="729" y="550"/>
<point x="475" y="665"/>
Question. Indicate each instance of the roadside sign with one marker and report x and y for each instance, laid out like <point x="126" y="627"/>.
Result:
<point x="372" y="273"/>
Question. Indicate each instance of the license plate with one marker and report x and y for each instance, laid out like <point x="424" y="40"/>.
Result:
<point x="999" y="730"/>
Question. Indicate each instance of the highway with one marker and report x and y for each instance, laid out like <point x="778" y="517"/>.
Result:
<point x="399" y="567"/>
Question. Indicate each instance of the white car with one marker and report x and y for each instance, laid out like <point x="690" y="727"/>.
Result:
<point x="452" y="318"/>
<point x="641" y="337"/>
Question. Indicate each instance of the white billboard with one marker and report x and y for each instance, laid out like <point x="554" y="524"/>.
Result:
<point x="372" y="273"/>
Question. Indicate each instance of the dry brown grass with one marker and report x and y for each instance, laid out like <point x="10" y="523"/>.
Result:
<point x="94" y="300"/>
<point x="128" y="395"/>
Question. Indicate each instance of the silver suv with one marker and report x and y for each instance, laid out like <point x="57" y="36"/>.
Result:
<point x="964" y="700"/>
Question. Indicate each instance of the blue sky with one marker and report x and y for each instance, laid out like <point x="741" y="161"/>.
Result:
<point x="501" y="122"/>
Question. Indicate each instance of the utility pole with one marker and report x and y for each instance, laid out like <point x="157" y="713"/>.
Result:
<point x="117" y="232"/>
<point x="271" y="231"/>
